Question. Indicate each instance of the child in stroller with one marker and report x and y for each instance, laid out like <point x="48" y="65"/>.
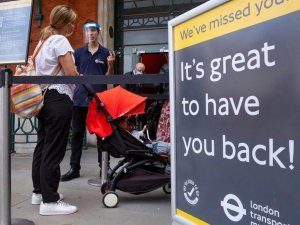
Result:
<point x="140" y="170"/>
<point x="156" y="147"/>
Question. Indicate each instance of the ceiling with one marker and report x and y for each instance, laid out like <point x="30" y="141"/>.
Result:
<point x="133" y="4"/>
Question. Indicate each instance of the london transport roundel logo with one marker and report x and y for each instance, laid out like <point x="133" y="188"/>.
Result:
<point x="233" y="207"/>
<point x="191" y="192"/>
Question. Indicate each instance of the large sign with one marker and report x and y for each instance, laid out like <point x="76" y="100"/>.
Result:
<point x="235" y="94"/>
<point x="15" y="20"/>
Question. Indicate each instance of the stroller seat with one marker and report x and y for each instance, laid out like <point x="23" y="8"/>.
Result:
<point x="121" y="143"/>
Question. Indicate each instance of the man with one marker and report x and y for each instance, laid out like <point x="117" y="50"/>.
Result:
<point x="91" y="59"/>
<point x="138" y="70"/>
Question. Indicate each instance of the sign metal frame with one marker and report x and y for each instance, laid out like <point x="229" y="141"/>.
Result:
<point x="15" y="27"/>
<point x="186" y="46"/>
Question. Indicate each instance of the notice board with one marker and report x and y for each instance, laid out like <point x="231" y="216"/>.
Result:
<point x="15" y="21"/>
<point x="235" y="113"/>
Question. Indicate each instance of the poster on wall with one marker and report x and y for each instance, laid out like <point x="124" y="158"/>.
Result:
<point x="15" y="21"/>
<point x="235" y="96"/>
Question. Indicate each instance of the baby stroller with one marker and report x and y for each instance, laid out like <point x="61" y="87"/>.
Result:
<point x="139" y="171"/>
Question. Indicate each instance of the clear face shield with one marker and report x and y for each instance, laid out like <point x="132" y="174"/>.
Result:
<point x="91" y="31"/>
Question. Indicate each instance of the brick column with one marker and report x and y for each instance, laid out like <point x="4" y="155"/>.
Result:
<point x="106" y="16"/>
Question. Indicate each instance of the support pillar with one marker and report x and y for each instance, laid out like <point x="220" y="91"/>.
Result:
<point x="5" y="165"/>
<point x="106" y="17"/>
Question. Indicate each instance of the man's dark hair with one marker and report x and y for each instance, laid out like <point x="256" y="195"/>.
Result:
<point x="89" y="21"/>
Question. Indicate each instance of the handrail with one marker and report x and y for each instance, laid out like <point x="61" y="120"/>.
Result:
<point x="92" y="79"/>
<point x="6" y="80"/>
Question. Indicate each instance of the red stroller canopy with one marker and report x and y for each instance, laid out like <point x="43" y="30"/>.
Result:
<point x="117" y="102"/>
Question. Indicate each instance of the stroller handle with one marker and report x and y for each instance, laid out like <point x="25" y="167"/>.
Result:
<point x="93" y="93"/>
<point x="89" y="89"/>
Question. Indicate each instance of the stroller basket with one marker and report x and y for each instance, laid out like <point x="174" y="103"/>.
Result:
<point x="143" y="180"/>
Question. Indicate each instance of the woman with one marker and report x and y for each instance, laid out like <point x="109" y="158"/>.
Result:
<point x="55" y="116"/>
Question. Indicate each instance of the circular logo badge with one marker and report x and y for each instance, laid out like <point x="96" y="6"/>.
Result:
<point x="191" y="192"/>
<point x="233" y="207"/>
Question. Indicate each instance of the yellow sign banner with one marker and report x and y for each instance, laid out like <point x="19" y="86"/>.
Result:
<point x="229" y="17"/>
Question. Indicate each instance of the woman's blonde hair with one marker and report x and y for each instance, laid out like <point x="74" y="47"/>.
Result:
<point x="60" y="16"/>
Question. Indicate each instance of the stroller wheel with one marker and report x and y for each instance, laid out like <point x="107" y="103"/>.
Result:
<point x="167" y="188"/>
<point x="104" y="188"/>
<point x="110" y="199"/>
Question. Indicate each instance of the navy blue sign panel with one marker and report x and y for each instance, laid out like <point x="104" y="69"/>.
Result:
<point x="237" y="123"/>
<point x="15" y="20"/>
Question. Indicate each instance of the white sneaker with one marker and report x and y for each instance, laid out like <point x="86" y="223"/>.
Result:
<point x="57" y="208"/>
<point x="36" y="199"/>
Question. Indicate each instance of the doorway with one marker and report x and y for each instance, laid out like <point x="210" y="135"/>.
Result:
<point x="154" y="61"/>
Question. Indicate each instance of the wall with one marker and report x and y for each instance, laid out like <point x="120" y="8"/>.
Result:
<point x="85" y="9"/>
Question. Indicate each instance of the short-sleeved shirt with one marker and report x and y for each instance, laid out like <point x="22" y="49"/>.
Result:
<point x="88" y="64"/>
<point x="47" y="61"/>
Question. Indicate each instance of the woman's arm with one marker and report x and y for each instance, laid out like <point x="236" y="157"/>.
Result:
<point x="68" y="65"/>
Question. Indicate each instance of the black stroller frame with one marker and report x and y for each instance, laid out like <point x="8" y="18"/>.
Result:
<point x="140" y="171"/>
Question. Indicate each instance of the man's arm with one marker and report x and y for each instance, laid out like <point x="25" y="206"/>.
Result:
<point x="110" y="61"/>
